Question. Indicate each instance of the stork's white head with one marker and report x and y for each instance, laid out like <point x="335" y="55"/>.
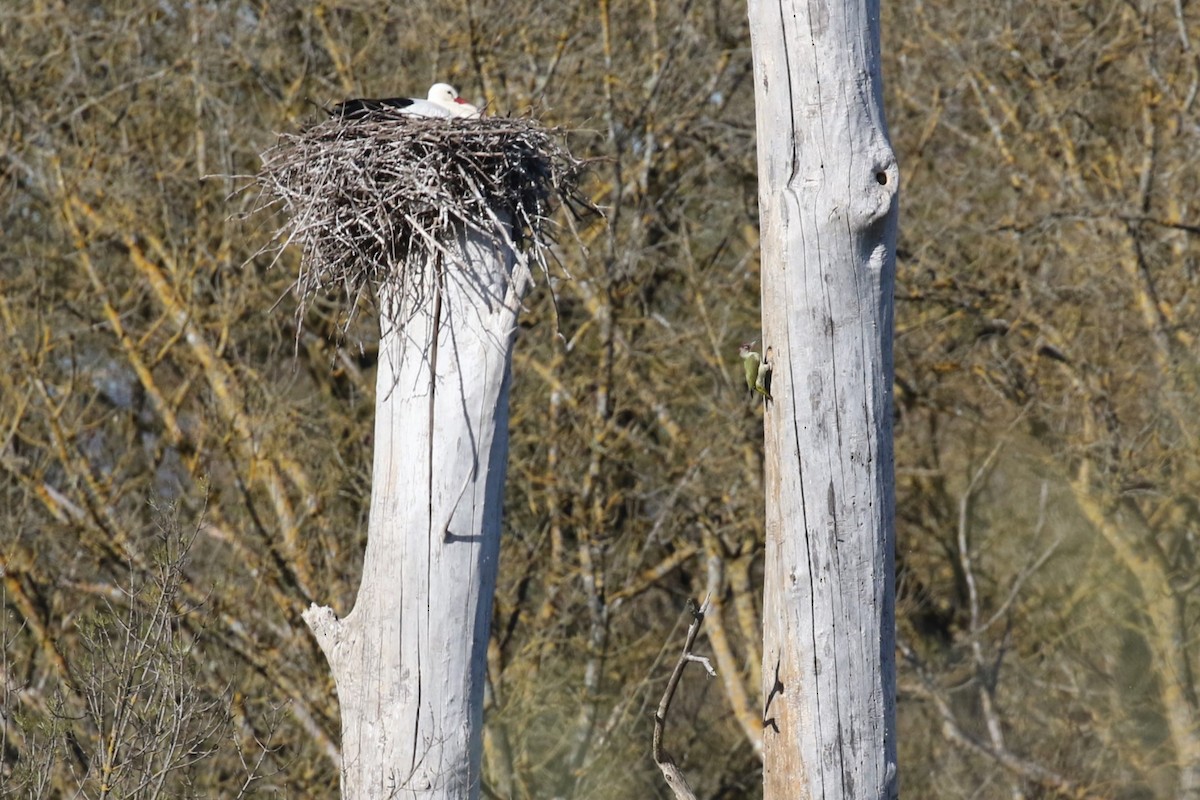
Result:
<point x="446" y="96"/>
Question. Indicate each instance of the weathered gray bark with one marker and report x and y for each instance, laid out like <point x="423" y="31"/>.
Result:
<point x="828" y="204"/>
<point x="409" y="660"/>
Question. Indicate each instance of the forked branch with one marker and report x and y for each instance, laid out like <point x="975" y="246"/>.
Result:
<point x="666" y="764"/>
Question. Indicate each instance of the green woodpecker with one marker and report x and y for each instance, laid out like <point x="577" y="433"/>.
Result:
<point x="758" y="372"/>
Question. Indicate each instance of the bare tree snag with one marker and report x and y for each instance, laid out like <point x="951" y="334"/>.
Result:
<point x="430" y="214"/>
<point x="409" y="660"/>
<point x="828" y="203"/>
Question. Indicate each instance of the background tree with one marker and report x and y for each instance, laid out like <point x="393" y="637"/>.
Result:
<point x="1047" y="391"/>
<point x="1048" y="153"/>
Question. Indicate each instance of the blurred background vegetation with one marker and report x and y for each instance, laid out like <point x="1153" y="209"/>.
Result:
<point x="186" y="467"/>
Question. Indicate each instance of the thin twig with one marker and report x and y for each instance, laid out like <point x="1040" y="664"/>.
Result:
<point x="666" y="764"/>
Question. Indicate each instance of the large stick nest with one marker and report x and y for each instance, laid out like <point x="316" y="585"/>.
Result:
<point x="372" y="200"/>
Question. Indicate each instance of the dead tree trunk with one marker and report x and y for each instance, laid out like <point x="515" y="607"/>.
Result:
<point x="410" y="659"/>
<point x="828" y="205"/>
<point x="442" y="219"/>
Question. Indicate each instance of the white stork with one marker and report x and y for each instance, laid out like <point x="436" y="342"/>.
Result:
<point x="443" y="101"/>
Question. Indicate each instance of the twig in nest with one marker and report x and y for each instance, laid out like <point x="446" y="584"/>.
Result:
<point x="372" y="201"/>
<point x="666" y="764"/>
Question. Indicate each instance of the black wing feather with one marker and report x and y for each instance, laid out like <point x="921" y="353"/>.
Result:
<point x="361" y="107"/>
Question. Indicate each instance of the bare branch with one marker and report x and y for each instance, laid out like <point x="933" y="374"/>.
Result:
<point x="666" y="764"/>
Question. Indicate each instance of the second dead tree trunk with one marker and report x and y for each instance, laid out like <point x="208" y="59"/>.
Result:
<point x="828" y="204"/>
